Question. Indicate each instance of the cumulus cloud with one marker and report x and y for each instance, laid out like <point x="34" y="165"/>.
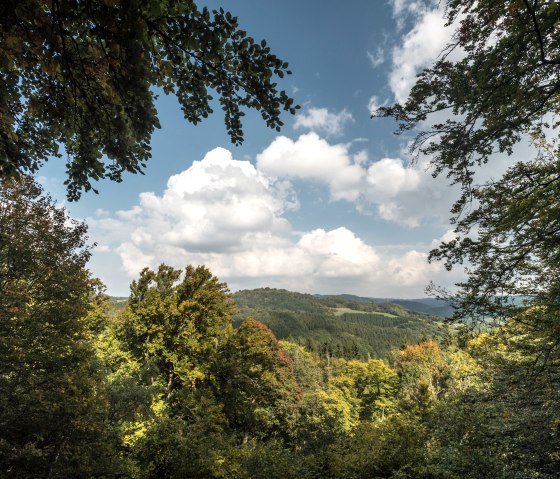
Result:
<point x="323" y="121"/>
<point x="408" y="194"/>
<point x="313" y="158"/>
<point x="215" y="205"/>
<point x="427" y="36"/>
<point x="230" y="216"/>
<point x="339" y="253"/>
<point x="389" y="177"/>
<point x="400" y="192"/>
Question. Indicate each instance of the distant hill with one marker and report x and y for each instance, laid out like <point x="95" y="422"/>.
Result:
<point x="336" y="325"/>
<point x="118" y="303"/>
<point x="431" y="306"/>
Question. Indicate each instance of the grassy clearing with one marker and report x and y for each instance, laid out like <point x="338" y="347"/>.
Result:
<point x="341" y="311"/>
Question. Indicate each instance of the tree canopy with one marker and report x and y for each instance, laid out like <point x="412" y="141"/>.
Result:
<point x="53" y="406"/>
<point x="503" y="89"/>
<point x="80" y="78"/>
<point x="165" y="387"/>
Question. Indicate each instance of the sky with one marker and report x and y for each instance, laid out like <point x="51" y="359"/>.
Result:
<point x="332" y="204"/>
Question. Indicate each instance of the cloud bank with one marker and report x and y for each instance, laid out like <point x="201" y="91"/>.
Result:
<point x="397" y="191"/>
<point x="230" y="215"/>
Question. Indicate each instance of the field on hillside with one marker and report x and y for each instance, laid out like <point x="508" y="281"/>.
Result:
<point x="335" y="325"/>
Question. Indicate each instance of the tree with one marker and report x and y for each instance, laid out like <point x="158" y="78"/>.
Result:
<point x="255" y="382"/>
<point x="422" y="371"/>
<point x="388" y="449"/>
<point x="53" y="406"/>
<point x="516" y="251"/>
<point x="373" y="383"/>
<point x="521" y="372"/>
<point x="173" y="326"/>
<point x="83" y="75"/>
<point x="504" y="89"/>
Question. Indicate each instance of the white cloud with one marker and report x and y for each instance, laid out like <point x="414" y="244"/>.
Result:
<point x="412" y="269"/>
<point x="321" y="120"/>
<point x="449" y="235"/>
<point x="420" y="47"/>
<point x="215" y="202"/>
<point x="402" y="193"/>
<point x="339" y="253"/>
<point x="215" y="205"/>
<point x="404" y="10"/>
<point x="229" y="215"/>
<point x="406" y="194"/>
<point x="374" y="104"/>
<point x="101" y="248"/>
<point x="133" y="259"/>
<point x="377" y="57"/>
<point x="389" y="177"/>
<point x="313" y="158"/>
<point x="427" y="37"/>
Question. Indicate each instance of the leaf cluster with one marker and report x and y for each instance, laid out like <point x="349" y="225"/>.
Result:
<point x="79" y="78"/>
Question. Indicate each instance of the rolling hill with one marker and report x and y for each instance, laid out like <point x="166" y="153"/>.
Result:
<point x="336" y="325"/>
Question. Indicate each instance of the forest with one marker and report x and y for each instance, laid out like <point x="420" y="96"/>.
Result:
<point x="184" y="379"/>
<point x="335" y="325"/>
<point x="166" y="386"/>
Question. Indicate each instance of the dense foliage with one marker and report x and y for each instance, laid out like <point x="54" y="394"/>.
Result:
<point x="83" y="76"/>
<point x="166" y="387"/>
<point x="335" y="326"/>
<point x="502" y="89"/>
<point x="53" y="399"/>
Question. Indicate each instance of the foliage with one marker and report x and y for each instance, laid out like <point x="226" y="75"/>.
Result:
<point x="379" y="449"/>
<point x="166" y="387"/>
<point x="174" y="326"/>
<point x="373" y="383"/>
<point x="515" y="252"/>
<point x="363" y="329"/>
<point x="53" y="398"/>
<point x="421" y="370"/>
<point x="81" y="75"/>
<point x="254" y="381"/>
<point x="524" y="384"/>
<point x="503" y="89"/>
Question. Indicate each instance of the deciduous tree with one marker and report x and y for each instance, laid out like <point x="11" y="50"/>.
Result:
<point x="53" y="406"/>
<point x="173" y="325"/>
<point x="505" y="88"/>
<point x="83" y="76"/>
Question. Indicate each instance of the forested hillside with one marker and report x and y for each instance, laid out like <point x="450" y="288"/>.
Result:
<point x="335" y="325"/>
<point x="433" y="306"/>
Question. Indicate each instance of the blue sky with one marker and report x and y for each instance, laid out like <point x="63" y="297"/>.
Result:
<point x="331" y="204"/>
